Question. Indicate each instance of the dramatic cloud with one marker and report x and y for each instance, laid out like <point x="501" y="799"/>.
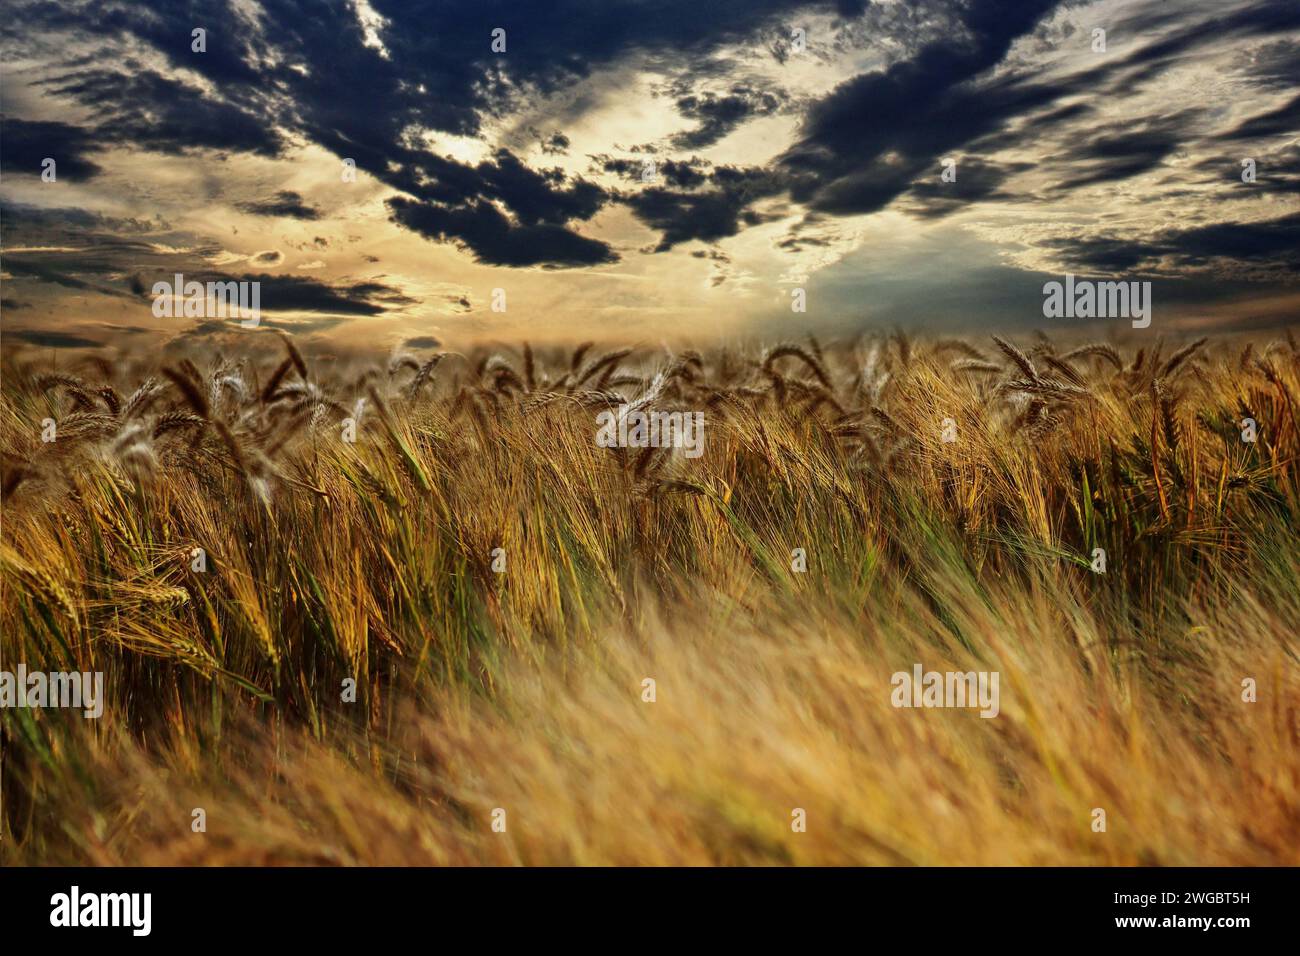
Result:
<point x="54" y="340"/>
<point x="606" y="135"/>
<point x="719" y="115"/>
<point x="286" y="293"/>
<point x="284" y="203"/>
<point x="26" y="145"/>
<point x="864" y="144"/>
<point x="1270" y="248"/>
<point x="494" y="239"/>
<point x="62" y="274"/>
<point x="178" y="117"/>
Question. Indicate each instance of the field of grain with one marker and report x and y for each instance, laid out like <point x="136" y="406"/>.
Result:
<point x="520" y="687"/>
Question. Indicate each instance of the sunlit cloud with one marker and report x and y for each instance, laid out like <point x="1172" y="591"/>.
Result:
<point x="680" y="173"/>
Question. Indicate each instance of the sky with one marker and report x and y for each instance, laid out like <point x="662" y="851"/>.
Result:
<point x="645" y="169"/>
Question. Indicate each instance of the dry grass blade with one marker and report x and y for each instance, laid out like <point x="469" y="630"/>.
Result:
<point x="72" y="386"/>
<point x="171" y="421"/>
<point x="904" y="344"/>
<point x="141" y="399"/>
<point x="1181" y="356"/>
<point x="424" y="373"/>
<point x="189" y="390"/>
<point x="295" y="356"/>
<point x="16" y="471"/>
<point x="112" y="401"/>
<point x="1065" y="369"/>
<point x="576" y="361"/>
<point x="887" y="420"/>
<point x="975" y="365"/>
<point x="276" y="378"/>
<point x="605" y="364"/>
<point x="814" y="366"/>
<point x="1098" y="350"/>
<point x="1018" y="357"/>
<point x="962" y="346"/>
<point x="530" y="369"/>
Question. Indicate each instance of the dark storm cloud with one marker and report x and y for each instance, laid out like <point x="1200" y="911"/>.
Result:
<point x="67" y="239"/>
<point x="866" y="142"/>
<point x="1116" y="155"/>
<point x="1104" y="254"/>
<point x="82" y="250"/>
<point x="881" y="136"/>
<point x="1277" y="172"/>
<point x="290" y="71"/>
<point x="977" y="181"/>
<point x="1283" y="121"/>
<point x="697" y="203"/>
<point x="485" y="231"/>
<point x="796" y="243"/>
<point x="300" y="294"/>
<point x="285" y="203"/>
<point x="456" y="202"/>
<point x="53" y="339"/>
<point x="682" y="216"/>
<point x="379" y="292"/>
<point x="537" y="196"/>
<point x="719" y="115"/>
<point x="117" y="327"/>
<point x="718" y="210"/>
<point x="1260" y="18"/>
<point x="1269" y="246"/>
<point x="175" y="117"/>
<point x="278" y="293"/>
<point x="1276" y="240"/>
<point x="64" y="274"/>
<point x="86" y="252"/>
<point x="685" y="174"/>
<point x="557" y="144"/>
<point x="437" y="72"/>
<point x="1273" y="66"/>
<point x="220" y="331"/>
<point x="16" y="217"/>
<point x="26" y="144"/>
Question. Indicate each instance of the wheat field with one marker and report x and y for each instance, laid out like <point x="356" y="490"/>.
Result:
<point x="499" y="588"/>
